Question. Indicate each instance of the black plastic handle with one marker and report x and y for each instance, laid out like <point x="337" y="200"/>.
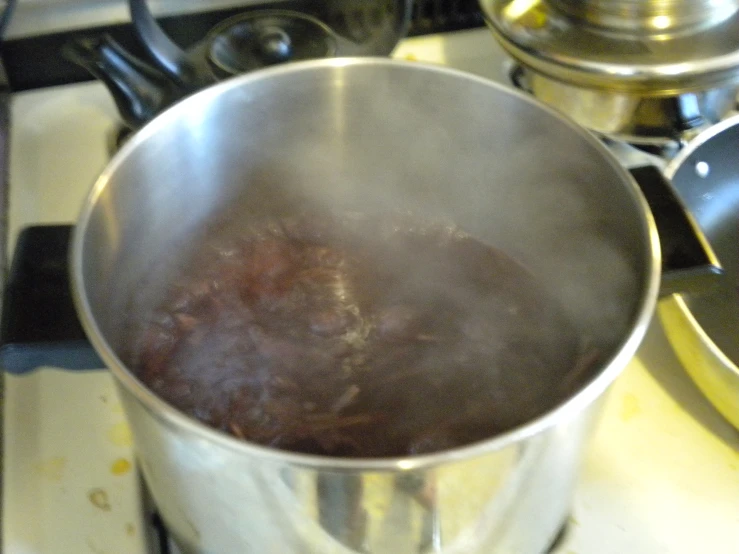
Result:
<point x="140" y="91"/>
<point x="173" y="60"/>
<point x="689" y="264"/>
<point x="39" y="324"/>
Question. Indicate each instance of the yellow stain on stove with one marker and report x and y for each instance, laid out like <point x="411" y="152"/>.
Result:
<point x="53" y="468"/>
<point x="120" y="467"/>
<point x="130" y="529"/>
<point x="99" y="499"/>
<point x="734" y="466"/>
<point x="630" y="407"/>
<point x="573" y="521"/>
<point x="120" y="434"/>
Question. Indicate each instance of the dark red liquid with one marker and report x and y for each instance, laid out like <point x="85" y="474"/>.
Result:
<point x="356" y="337"/>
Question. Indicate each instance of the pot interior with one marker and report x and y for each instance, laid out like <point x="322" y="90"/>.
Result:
<point x="373" y="136"/>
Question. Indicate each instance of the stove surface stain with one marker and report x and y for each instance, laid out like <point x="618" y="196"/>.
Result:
<point x="120" y="466"/>
<point x="120" y="434"/>
<point x="99" y="499"/>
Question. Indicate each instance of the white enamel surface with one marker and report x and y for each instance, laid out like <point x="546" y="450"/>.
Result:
<point x="70" y="482"/>
<point x="661" y="475"/>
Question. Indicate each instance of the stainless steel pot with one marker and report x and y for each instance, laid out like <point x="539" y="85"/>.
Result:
<point x="647" y="72"/>
<point x="370" y="134"/>
<point x="704" y="328"/>
<point x="649" y="17"/>
<point x="667" y="121"/>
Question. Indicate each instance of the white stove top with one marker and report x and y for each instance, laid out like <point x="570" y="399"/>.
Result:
<point x="661" y="475"/>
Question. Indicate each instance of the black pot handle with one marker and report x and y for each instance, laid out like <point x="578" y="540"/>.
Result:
<point x="689" y="264"/>
<point x="39" y="325"/>
<point x="174" y="61"/>
<point x="139" y="90"/>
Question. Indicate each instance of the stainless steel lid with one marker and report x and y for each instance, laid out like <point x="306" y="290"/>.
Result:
<point x="664" y="47"/>
<point x="649" y="17"/>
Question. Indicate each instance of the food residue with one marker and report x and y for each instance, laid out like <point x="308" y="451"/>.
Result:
<point x="120" y="467"/>
<point x="130" y="529"/>
<point x="53" y="468"/>
<point x="120" y="434"/>
<point x="99" y="499"/>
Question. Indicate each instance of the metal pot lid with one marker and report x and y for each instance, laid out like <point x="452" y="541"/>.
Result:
<point x="253" y="40"/>
<point x="583" y="50"/>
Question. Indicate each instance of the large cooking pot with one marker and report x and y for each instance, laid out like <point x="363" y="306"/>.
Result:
<point x="370" y="134"/>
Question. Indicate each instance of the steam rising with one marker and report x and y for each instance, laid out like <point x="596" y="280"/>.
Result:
<point x="442" y="150"/>
<point x="348" y="334"/>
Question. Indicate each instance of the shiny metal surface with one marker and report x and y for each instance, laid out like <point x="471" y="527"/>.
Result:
<point x="370" y="134"/>
<point x="631" y="116"/>
<point x="649" y="17"/>
<point x="704" y="329"/>
<point x="550" y="41"/>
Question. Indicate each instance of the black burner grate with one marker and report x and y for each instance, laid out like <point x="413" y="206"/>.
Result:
<point x="438" y="16"/>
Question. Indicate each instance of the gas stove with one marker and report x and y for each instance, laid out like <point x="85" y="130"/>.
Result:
<point x="661" y="474"/>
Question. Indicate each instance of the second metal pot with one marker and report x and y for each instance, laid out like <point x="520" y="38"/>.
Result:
<point x="663" y="120"/>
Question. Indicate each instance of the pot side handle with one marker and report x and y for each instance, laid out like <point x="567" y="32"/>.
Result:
<point x="39" y="325"/>
<point x="689" y="264"/>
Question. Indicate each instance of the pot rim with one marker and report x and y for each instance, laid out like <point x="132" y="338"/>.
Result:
<point x="171" y="417"/>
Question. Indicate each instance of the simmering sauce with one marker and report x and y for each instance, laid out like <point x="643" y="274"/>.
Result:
<point x="354" y="336"/>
